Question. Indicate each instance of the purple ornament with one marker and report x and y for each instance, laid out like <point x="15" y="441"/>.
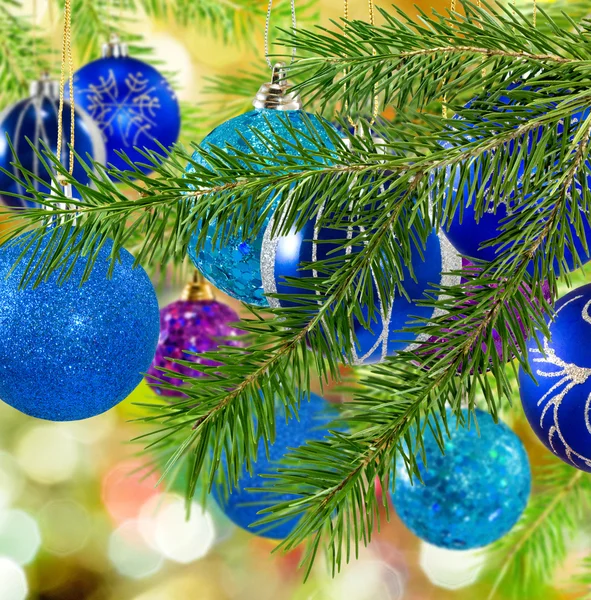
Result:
<point x="190" y="326"/>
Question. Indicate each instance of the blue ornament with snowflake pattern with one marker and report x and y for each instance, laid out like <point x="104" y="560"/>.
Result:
<point x="132" y="103"/>
<point x="557" y="403"/>
<point x="234" y="266"/>
<point x="473" y="494"/>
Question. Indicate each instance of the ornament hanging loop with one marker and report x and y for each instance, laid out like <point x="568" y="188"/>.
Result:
<point x="197" y="289"/>
<point x="267" y="29"/>
<point x="277" y="93"/>
<point x="115" y="48"/>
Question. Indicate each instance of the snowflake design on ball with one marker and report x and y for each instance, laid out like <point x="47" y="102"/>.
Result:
<point x="569" y="374"/>
<point x="129" y="109"/>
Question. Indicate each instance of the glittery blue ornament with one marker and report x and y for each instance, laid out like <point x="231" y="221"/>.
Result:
<point x="466" y="231"/>
<point x="243" y="506"/>
<point x="235" y="266"/>
<point x="473" y="494"/>
<point x="558" y="403"/>
<point x="132" y="103"/>
<point x="35" y="119"/>
<point x="282" y="258"/>
<point x="72" y="351"/>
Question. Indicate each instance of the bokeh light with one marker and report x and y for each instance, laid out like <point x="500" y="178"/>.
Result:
<point x="91" y="431"/>
<point x="183" y="540"/>
<point x="11" y="480"/>
<point x="129" y="553"/>
<point x="20" y="538"/>
<point x="47" y="455"/>
<point x="13" y="581"/>
<point x="126" y="488"/>
<point x="65" y="525"/>
<point x="451" y="569"/>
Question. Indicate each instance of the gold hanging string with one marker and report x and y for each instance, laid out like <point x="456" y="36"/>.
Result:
<point x="452" y="9"/>
<point x="535" y="14"/>
<point x="67" y="58"/>
<point x="376" y="102"/>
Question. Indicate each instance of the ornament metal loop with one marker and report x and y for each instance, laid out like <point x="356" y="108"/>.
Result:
<point x="277" y="94"/>
<point x="197" y="289"/>
<point x="45" y="86"/>
<point x="115" y="48"/>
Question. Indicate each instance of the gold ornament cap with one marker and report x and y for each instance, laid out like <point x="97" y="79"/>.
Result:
<point x="114" y="48"/>
<point x="46" y="87"/>
<point x="277" y="93"/>
<point x="197" y="289"/>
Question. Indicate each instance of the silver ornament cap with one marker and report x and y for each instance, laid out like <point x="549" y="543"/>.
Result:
<point x="114" y="48"/>
<point x="45" y="86"/>
<point x="277" y="93"/>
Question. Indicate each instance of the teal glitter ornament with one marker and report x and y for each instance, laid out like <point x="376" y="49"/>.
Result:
<point x="235" y="266"/>
<point x="473" y="494"/>
<point x="243" y="506"/>
<point x="71" y="351"/>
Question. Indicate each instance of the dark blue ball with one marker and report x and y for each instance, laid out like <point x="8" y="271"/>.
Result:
<point x="466" y="231"/>
<point x="70" y="352"/>
<point x="133" y="105"/>
<point x="36" y="118"/>
<point x="558" y="404"/>
<point x="235" y="266"/>
<point x="282" y="258"/>
<point x="242" y="506"/>
<point x="473" y="494"/>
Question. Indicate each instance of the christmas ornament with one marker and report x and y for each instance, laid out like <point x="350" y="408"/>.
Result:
<point x="235" y="266"/>
<point x="473" y="494"/>
<point x="195" y="323"/>
<point x="243" y="506"/>
<point x="35" y="119"/>
<point x="282" y="257"/>
<point x="558" y="403"/>
<point x="132" y="103"/>
<point x="71" y="351"/>
<point x="466" y="231"/>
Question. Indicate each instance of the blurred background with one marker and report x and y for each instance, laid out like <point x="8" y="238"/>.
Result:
<point x="81" y="518"/>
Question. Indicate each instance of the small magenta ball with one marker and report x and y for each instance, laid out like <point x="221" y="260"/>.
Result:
<point x="473" y="494"/>
<point x="235" y="266"/>
<point x="558" y="403"/>
<point x="72" y="351"/>
<point x="188" y="327"/>
<point x="242" y="507"/>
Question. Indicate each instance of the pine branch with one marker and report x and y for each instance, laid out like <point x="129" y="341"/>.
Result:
<point x="537" y="545"/>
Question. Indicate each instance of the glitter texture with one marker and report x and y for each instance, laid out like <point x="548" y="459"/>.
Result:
<point x="133" y="105"/>
<point x="71" y="352"/>
<point x="35" y="119"/>
<point x="558" y="404"/>
<point x="190" y="326"/>
<point x="235" y="268"/>
<point x="472" y="495"/>
<point x="282" y="258"/>
<point x="468" y="233"/>
<point x="243" y="506"/>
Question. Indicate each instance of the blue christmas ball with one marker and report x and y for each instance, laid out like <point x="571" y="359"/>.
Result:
<point x="243" y="506"/>
<point x="36" y="118"/>
<point x="235" y="266"/>
<point x="466" y="230"/>
<point x="72" y="351"/>
<point x="473" y="494"/>
<point x="558" y="403"/>
<point x="133" y="105"/>
<point x="282" y="258"/>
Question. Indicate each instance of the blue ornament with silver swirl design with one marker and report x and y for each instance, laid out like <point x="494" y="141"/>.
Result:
<point x="283" y="256"/>
<point x="71" y="351"/>
<point x="558" y="403"/>
<point x="36" y="119"/>
<point x="467" y="231"/>
<point x="132" y="103"/>
<point x="235" y="266"/>
<point x="473" y="494"/>
<point x="242" y="506"/>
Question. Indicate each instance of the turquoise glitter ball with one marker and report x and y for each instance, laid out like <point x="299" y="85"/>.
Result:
<point x="472" y="495"/>
<point x="235" y="266"/>
<point x="72" y="351"/>
<point x="243" y="506"/>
